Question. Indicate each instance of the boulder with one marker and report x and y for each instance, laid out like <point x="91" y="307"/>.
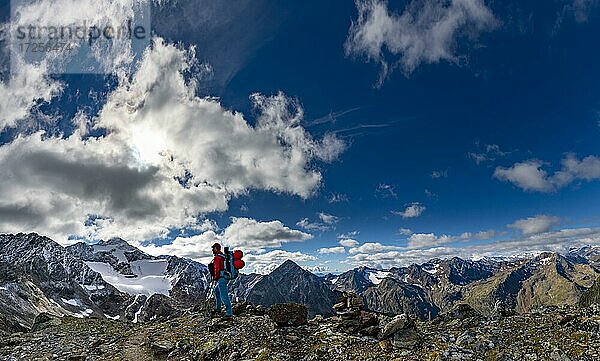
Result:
<point x="401" y="332"/>
<point x="398" y="323"/>
<point x="45" y="320"/>
<point x="162" y="347"/>
<point x="461" y="311"/>
<point x="288" y="314"/>
<point x="158" y="307"/>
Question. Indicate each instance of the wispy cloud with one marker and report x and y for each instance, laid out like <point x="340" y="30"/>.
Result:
<point x="425" y="32"/>
<point x="487" y="153"/>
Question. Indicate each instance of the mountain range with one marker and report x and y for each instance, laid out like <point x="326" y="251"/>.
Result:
<point x="112" y="279"/>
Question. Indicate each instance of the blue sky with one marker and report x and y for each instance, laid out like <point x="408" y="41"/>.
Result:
<point x="489" y="124"/>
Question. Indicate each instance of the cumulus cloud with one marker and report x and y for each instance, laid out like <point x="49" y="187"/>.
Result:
<point x="337" y="250"/>
<point x="411" y="211"/>
<point x="265" y="263"/>
<point x="249" y="235"/>
<point x="167" y="158"/>
<point x="557" y="241"/>
<point x="534" y="225"/>
<point x="422" y="240"/>
<point x="373" y="247"/>
<point x="425" y="32"/>
<point x="348" y="242"/>
<point x="29" y="84"/>
<point x="531" y="176"/>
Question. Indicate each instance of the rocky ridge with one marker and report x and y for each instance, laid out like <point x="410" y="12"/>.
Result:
<point x="550" y="333"/>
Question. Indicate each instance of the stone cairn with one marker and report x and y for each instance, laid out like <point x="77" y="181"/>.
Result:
<point x="352" y="318"/>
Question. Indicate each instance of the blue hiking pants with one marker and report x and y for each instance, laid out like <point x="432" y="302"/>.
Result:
<point x="222" y="296"/>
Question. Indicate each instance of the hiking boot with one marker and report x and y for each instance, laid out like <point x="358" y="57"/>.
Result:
<point x="216" y="313"/>
<point x="227" y="317"/>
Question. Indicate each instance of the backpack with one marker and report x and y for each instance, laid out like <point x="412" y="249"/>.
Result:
<point x="233" y="262"/>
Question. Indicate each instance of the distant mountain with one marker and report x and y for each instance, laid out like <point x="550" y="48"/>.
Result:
<point x="39" y="275"/>
<point x="547" y="279"/>
<point x="112" y="279"/>
<point x="357" y="280"/>
<point x="288" y="283"/>
<point x="135" y="272"/>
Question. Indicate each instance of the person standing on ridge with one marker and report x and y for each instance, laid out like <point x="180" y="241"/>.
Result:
<point x="220" y="291"/>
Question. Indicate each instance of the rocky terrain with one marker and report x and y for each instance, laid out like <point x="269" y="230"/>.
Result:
<point x="282" y="332"/>
<point x="112" y="301"/>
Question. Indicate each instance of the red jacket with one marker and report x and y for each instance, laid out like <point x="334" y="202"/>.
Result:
<point x="219" y="262"/>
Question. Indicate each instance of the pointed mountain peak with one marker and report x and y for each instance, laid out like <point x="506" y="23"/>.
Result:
<point x="116" y="241"/>
<point x="288" y="266"/>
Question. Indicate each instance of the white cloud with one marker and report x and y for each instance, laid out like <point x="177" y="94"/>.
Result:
<point x="249" y="235"/>
<point x="332" y="250"/>
<point x="350" y="234"/>
<point x="423" y="240"/>
<point x="418" y="240"/>
<point x="167" y="158"/>
<point x="319" y="269"/>
<point x="413" y="210"/>
<point x="29" y="84"/>
<point x="558" y="241"/>
<point x="530" y="175"/>
<point x="535" y="225"/>
<point x="328" y="218"/>
<point x="348" y="242"/>
<point x="265" y="263"/>
<point x="373" y="247"/>
<point x="23" y="91"/>
<point x="425" y="32"/>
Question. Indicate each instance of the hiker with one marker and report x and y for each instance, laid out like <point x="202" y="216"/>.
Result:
<point x="221" y="292"/>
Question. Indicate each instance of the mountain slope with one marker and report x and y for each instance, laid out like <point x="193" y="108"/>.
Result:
<point x="291" y="283"/>
<point x="547" y="279"/>
<point x="41" y="264"/>
<point x="135" y="272"/>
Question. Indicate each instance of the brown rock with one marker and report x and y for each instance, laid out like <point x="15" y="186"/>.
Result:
<point x="386" y="345"/>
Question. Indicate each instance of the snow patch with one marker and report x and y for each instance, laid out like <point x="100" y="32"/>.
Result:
<point x="376" y="276"/>
<point x="334" y="280"/>
<point x="112" y="317"/>
<point x="433" y="270"/>
<point x="87" y="312"/>
<point x="72" y="302"/>
<point x="93" y="287"/>
<point x="2" y="288"/>
<point x="150" y="277"/>
<point x="135" y="316"/>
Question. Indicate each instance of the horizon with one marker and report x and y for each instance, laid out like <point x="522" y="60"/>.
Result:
<point x="369" y="133"/>
<point x="526" y="256"/>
